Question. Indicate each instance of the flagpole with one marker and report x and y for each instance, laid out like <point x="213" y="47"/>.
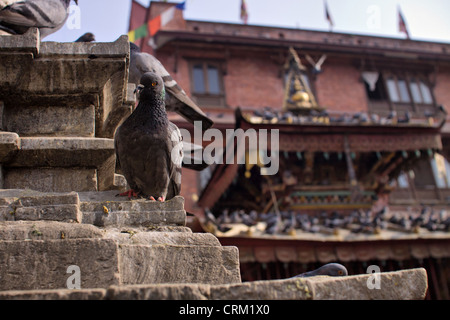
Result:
<point x="147" y="18"/>
<point x="328" y="16"/>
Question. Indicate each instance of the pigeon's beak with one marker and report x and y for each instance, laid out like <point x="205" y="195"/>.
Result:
<point x="139" y="88"/>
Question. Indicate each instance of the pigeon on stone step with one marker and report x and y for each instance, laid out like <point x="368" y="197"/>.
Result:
<point x="330" y="269"/>
<point x="149" y="147"/>
<point x="47" y="15"/>
<point x="176" y="98"/>
<point x="87" y="37"/>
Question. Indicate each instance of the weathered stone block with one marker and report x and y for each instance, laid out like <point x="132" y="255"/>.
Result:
<point x="405" y="285"/>
<point x="29" y="42"/>
<point x="51" y="179"/>
<point x="63" y="152"/>
<point x="187" y="238"/>
<point x="50" y="120"/>
<point x="105" y="209"/>
<point x="82" y="294"/>
<point x="31" y="265"/>
<point x="69" y="212"/>
<point x="47" y="230"/>
<point x="33" y="205"/>
<point x="140" y="264"/>
<point x="50" y="75"/>
<point x="9" y="145"/>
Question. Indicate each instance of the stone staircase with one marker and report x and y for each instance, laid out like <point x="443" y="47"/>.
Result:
<point x="60" y="104"/>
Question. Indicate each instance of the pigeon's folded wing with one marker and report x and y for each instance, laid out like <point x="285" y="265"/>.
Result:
<point x="37" y="13"/>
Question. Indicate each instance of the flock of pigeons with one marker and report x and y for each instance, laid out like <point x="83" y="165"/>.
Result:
<point x="269" y="115"/>
<point x="357" y="221"/>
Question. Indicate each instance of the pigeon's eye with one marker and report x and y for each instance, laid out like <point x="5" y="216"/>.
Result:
<point x="154" y="84"/>
<point x="340" y="272"/>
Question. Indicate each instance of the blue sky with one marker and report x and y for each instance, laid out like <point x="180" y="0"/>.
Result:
<point x="427" y="20"/>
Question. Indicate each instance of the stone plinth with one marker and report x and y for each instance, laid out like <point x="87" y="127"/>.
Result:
<point x="60" y="104"/>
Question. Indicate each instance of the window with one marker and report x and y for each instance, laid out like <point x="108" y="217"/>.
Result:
<point x="392" y="89"/>
<point x="207" y="87"/>
<point x="399" y="92"/>
<point x="377" y="93"/>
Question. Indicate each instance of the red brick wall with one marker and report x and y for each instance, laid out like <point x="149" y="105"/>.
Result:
<point x="253" y="82"/>
<point x="189" y="183"/>
<point x="339" y="88"/>
<point x="442" y="89"/>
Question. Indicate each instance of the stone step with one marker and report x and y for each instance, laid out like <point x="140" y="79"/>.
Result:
<point x="52" y="230"/>
<point x="28" y="205"/>
<point x="103" y="209"/>
<point x="409" y="284"/>
<point x="98" y="208"/>
<point x="106" y="209"/>
<point x="57" y="164"/>
<point x="63" y="152"/>
<point x="44" y="264"/>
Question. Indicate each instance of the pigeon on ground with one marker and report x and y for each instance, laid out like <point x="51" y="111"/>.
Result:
<point x="330" y="269"/>
<point x="149" y="147"/>
<point x="176" y="98"/>
<point x="87" y="37"/>
<point x="47" y="15"/>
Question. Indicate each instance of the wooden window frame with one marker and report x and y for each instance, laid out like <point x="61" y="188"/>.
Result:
<point x="208" y="99"/>
<point x="419" y="109"/>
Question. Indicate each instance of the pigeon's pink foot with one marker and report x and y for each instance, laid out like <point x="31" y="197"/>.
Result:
<point x="160" y="199"/>
<point x="130" y="194"/>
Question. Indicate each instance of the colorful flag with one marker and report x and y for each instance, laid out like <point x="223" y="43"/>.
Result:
<point x="138" y="33"/>
<point x="154" y="25"/>
<point x="131" y="36"/>
<point x="402" y="23"/>
<point x="328" y="15"/>
<point x="167" y="16"/>
<point x="181" y="5"/>
<point x="244" y="12"/>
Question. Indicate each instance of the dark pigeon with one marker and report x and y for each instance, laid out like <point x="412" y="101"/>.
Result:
<point x="149" y="147"/>
<point x="87" y="37"/>
<point x="330" y="269"/>
<point x="176" y="98"/>
<point x="47" y="15"/>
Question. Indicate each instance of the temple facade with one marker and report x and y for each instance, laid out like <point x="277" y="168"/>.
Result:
<point x="357" y="126"/>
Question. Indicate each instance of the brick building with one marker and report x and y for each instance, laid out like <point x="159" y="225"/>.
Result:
<point x="386" y="97"/>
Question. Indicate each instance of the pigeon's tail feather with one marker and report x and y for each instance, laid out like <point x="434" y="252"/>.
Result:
<point x="187" y="108"/>
<point x="6" y="29"/>
<point x="194" y="157"/>
<point x="190" y="164"/>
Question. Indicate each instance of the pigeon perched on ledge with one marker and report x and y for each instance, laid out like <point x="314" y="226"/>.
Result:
<point x="176" y="99"/>
<point x="330" y="269"/>
<point x="87" y="37"/>
<point x="47" y="15"/>
<point x="149" y="147"/>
